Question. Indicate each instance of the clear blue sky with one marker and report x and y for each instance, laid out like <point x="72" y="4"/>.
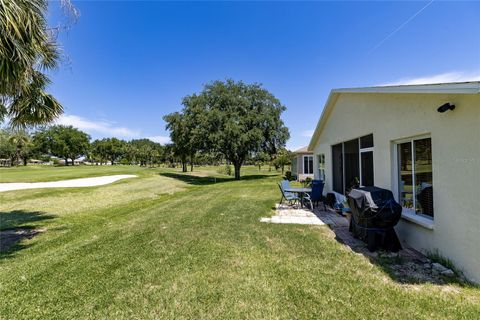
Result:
<point x="130" y="63"/>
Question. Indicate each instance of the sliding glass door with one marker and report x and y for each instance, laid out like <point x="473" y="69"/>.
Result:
<point x="352" y="163"/>
<point x="337" y="167"/>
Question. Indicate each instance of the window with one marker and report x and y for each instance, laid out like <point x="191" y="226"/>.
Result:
<point x="366" y="161"/>
<point x="415" y="175"/>
<point x="321" y="167"/>
<point x="352" y="163"/>
<point x="308" y="164"/>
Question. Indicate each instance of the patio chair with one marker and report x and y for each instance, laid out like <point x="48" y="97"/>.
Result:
<point x="285" y="184"/>
<point x="290" y="197"/>
<point x="317" y="192"/>
<point x="307" y="201"/>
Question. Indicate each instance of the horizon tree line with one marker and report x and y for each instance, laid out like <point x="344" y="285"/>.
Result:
<point x="18" y="146"/>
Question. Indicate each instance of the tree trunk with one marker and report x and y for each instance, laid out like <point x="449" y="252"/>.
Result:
<point x="66" y="161"/>
<point x="25" y="160"/>
<point x="184" y="166"/>
<point x="191" y="162"/>
<point x="283" y="169"/>
<point x="237" y="170"/>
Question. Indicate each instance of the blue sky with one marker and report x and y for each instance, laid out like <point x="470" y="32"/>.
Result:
<point x="128" y="63"/>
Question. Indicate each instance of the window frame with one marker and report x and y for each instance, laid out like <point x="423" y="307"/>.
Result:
<point x="308" y="162"/>
<point x="360" y="151"/>
<point x="408" y="211"/>
<point x="321" y="166"/>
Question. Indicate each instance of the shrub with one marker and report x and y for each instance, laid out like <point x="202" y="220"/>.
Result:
<point x="307" y="182"/>
<point x="227" y="170"/>
<point x="289" y="176"/>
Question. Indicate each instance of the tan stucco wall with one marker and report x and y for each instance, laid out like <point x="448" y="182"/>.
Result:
<point x="455" y="154"/>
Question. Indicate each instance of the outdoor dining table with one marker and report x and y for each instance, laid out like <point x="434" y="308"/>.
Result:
<point x="300" y="191"/>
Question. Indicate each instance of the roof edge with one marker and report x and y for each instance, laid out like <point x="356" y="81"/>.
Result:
<point x="472" y="87"/>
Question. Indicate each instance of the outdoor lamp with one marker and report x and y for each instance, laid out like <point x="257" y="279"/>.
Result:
<point x="445" y="107"/>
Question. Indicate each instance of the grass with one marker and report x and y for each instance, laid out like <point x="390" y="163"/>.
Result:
<point x="181" y="246"/>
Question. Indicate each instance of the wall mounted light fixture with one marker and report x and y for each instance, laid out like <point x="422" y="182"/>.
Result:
<point x="445" y="107"/>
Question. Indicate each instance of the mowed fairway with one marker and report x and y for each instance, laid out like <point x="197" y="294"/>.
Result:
<point x="186" y="246"/>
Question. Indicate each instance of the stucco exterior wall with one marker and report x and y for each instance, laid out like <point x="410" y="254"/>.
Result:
<point x="455" y="137"/>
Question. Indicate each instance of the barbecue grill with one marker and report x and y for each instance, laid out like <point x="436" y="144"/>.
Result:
<point x="374" y="214"/>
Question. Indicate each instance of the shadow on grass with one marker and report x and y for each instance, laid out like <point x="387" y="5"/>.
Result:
<point x="199" y="181"/>
<point x="18" y="225"/>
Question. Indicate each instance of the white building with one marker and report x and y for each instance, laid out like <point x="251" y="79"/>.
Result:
<point x="396" y="138"/>
<point x="302" y="164"/>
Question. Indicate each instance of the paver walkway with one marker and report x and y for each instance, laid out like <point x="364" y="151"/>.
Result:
<point x="73" y="183"/>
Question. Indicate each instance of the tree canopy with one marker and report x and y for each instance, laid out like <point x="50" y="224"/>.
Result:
<point x="27" y="50"/>
<point x="181" y="136"/>
<point x="108" y="149"/>
<point x="63" y="141"/>
<point x="233" y="118"/>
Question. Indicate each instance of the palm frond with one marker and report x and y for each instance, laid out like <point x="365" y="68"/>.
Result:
<point x="35" y="108"/>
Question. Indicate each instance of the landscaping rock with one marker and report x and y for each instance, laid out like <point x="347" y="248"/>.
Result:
<point x="438" y="267"/>
<point x="448" y="273"/>
<point x="389" y="254"/>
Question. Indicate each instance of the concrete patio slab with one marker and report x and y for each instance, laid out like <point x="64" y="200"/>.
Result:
<point x="293" y="215"/>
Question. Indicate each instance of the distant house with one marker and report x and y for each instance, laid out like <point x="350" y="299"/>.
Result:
<point x="5" y="162"/>
<point x="76" y="162"/>
<point x="423" y="143"/>
<point x="302" y="164"/>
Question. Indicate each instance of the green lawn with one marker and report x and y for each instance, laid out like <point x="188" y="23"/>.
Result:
<point x="182" y="246"/>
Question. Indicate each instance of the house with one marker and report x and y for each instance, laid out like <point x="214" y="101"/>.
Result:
<point x="76" y="162"/>
<point x="302" y="164"/>
<point x="423" y="143"/>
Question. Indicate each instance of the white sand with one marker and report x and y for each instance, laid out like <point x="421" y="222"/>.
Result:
<point x="73" y="183"/>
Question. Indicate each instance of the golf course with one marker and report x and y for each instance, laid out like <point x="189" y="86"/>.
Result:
<point x="173" y="245"/>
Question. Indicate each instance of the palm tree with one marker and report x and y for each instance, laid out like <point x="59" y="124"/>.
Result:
<point x="22" y="143"/>
<point x="27" y="49"/>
